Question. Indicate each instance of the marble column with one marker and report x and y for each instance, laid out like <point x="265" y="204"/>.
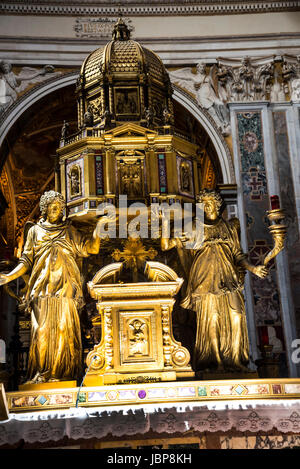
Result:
<point x="269" y="302"/>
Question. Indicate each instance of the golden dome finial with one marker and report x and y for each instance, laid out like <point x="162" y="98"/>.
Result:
<point x="121" y="31"/>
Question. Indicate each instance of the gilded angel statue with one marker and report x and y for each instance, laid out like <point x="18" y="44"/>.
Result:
<point x="205" y="88"/>
<point x="54" y="294"/>
<point x="216" y="270"/>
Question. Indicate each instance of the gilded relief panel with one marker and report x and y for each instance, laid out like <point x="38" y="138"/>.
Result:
<point x="137" y="337"/>
<point x="185" y="176"/>
<point x="131" y="177"/>
<point x="75" y="178"/>
<point x="126" y="101"/>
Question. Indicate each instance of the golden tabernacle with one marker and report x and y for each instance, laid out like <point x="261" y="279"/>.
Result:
<point x="137" y="340"/>
<point x="131" y="279"/>
<point x="126" y="157"/>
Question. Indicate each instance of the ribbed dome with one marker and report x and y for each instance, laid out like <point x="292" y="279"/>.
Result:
<point x="122" y="56"/>
<point x="124" y="80"/>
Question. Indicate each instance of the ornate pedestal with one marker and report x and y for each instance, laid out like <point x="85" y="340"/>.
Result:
<point x="137" y="343"/>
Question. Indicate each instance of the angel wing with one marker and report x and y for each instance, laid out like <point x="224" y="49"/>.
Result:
<point x="214" y="80"/>
<point x="29" y="75"/>
<point x="185" y="78"/>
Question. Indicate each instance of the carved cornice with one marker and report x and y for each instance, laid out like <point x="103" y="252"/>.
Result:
<point x="143" y="8"/>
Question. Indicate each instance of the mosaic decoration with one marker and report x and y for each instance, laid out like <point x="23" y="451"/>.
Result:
<point x="251" y="141"/>
<point x="256" y="202"/>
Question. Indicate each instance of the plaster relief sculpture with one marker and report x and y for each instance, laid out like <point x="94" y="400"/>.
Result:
<point x="205" y="87"/>
<point x="11" y="85"/>
<point x="246" y="80"/>
<point x="295" y="85"/>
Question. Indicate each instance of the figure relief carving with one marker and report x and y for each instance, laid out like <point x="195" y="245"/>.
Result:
<point x="95" y="107"/>
<point x="131" y="178"/>
<point x="245" y="80"/>
<point x="75" y="180"/>
<point x="11" y="85"/>
<point x="207" y="91"/>
<point x="126" y="101"/>
<point x="138" y="338"/>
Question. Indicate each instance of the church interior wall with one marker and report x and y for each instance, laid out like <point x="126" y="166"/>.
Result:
<point x="150" y="27"/>
<point x="180" y="41"/>
<point x="274" y="123"/>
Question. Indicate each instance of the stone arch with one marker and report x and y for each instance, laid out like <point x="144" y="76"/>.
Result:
<point x="207" y="122"/>
<point x="10" y="116"/>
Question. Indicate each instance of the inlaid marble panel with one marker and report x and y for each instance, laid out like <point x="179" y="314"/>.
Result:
<point x="266" y="297"/>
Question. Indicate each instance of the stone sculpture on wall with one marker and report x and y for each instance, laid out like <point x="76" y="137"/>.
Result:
<point x="11" y="85"/>
<point x="203" y="86"/>
<point x="275" y="79"/>
<point x="246" y="80"/>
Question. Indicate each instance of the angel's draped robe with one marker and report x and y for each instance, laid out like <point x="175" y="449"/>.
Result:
<point x="215" y="293"/>
<point x="54" y="296"/>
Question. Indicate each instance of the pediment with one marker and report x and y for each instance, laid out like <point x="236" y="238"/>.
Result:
<point x="130" y="130"/>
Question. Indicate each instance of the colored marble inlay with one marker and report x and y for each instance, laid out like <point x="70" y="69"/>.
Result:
<point x="99" y="175"/>
<point x="240" y="389"/>
<point x="155" y="393"/>
<point x="142" y="394"/>
<point x="82" y="397"/>
<point x="168" y="392"/>
<point x="292" y="388"/>
<point x="251" y="140"/>
<point x="41" y="399"/>
<point x="186" y="392"/>
<point x="276" y="389"/>
<point x="127" y="395"/>
<point x="112" y="395"/>
<point x="60" y="399"/>
<point x="96" y="396"/>
<point x="221" y="390"/>
<point x="162" y="172"/>
<point x="202" y="391"/>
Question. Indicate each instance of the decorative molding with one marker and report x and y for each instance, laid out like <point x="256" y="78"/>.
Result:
<point x="248" y="415"/>
<point x="204" y="117"/>
<point x="206" y="8"/>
